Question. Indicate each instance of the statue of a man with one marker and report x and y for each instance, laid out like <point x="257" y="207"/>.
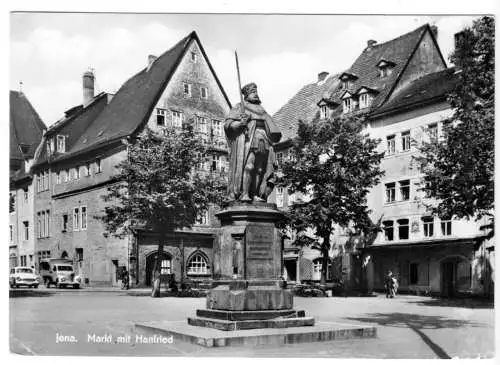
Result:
<point x="251" y="134"/>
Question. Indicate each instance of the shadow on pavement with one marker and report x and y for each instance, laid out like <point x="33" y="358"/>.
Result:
<point x="458" y="303"/>
<point x="28" y="293"/>
<point x="417" y="323"/>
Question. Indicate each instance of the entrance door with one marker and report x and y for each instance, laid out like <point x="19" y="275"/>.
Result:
<point x="448" y="279"/>
<point x="166" y="266"/>
<point x="291" y="270"/>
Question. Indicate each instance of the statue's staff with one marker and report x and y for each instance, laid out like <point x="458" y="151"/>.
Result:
<point x="242" y="105"/>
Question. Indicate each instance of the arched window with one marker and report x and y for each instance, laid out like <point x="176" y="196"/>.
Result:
<point x="198" y="264"/>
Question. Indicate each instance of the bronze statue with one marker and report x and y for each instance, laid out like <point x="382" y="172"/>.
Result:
<point x="251" y="134"/>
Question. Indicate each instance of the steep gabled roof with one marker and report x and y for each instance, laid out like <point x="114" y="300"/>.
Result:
<point x="26" y="127"/>
<point x="397" y="51"/>
<point x="133" y="103"/>
<point x="302" y="106"/>
<point x="429" y="87"/>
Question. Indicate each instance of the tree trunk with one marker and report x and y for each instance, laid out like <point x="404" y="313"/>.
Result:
<point x="157" y="269"/>
<point x="325" y="250"/>
<point x="181" y="248"/>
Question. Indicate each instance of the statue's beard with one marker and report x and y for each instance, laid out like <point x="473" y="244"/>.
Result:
<point x="254" y="100"/>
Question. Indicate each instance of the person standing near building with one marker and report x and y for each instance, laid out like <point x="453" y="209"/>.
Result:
<point x="390" y="285"/>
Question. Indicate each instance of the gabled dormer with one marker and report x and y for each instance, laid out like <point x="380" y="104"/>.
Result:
<point x="349" y="102"/>
<point x="365" y="96"/>
<point x="385" y="67"/>
<point x="325" y="107"/>
<point x="347" y="79"/>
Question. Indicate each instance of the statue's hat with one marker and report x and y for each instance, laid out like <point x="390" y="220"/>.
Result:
<point x="248" y="88"/>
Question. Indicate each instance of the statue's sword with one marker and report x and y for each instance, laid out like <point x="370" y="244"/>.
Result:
<point x="242" y="105"/>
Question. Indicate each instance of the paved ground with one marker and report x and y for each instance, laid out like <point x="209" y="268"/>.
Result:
<point x="408" y="326"/>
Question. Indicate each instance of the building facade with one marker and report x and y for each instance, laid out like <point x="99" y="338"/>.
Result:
<point x="26" y="129"/>
<point x="401" y="87"/>
<point x="77" y="159"/>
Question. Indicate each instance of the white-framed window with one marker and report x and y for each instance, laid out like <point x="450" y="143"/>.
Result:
<point x="161" y="115"/>
<point x="39" y="225"/>
<point x="391" y="144"/>
<point x="186" y="89"/>
<point x="23" y="260"/>
<point x="77" y="173"/>
<point x="365" y="100"/>
<point x="446" y="227"/>
<point x="317" y="264"/>
<point x="218" y="163"/>
<point x="405" y="141"/>
<point x="348" y="105"/>
<point x="403" y="229"/>
<point x="83" y="220"/>
<point x="432" y="130"/>
<point x="67" y="176"/>
<point x="389" y="230"/>
<point x="76" y="219"/>
<point x="345" y="84"/>
<point x="61" y="143"/>
<point x="166" y="267"/>
<point x="390" y="192"/>
<point x="194" y="57"/>
<point x="177" y="118"/>
<point x="202" y="218"/>
<point x="217" y="128"/>
<point x="86" y="170"/>
<point x="197" y="265"/>
<point x="26" y="225"/>
<point x="98" y="166"/>
<point x="428" y="223"/>
<point x="204" y="92"/>
<point x="201" y="125"/>
<point x="279" y="196"/>
<point x="324" y="112"/>
<point x="404" y="190"/>
<point x="279" y="158"/>
<point x="58" y="177"/>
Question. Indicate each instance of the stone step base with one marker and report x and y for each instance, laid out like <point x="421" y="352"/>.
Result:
<point x="224" y="325"/>
<point x="248" y="315"/>
<point x="209" y="337"/>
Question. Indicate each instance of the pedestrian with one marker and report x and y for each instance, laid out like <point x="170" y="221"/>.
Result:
<point x="125" y="279"/>
<point x="390" y="285"/>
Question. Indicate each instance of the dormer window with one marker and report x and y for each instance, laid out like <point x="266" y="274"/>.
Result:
<point x="160" y="117"/>
<point x="61" y="143"/>
<point x="347" y="80"/>
<point x="348" y="102"/>
<point x="324" y="112"/>
<point x="366" y="96"/>
<point x="385" y="68"/>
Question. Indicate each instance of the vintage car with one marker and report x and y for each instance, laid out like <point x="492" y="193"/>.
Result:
<point x="22" y="275"/>
<point x="59" y="272"/>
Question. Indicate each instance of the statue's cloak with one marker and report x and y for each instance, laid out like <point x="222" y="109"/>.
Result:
<point x="239" y="144"/>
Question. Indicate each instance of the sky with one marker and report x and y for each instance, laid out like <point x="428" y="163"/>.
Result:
<point x="281" y="53"/>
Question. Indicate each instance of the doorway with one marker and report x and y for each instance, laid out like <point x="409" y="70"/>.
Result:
<point x="291" y="270"/>
<point x="166" y="265"/>
<point x="448" y="269"/>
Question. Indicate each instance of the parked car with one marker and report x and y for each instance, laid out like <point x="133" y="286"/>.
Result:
<point x="22" y="275"/>
<point x="59" y="272"/>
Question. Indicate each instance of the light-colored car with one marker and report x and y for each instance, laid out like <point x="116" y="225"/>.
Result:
<point x="25" y="276"/>
<point x="59" y="272"/>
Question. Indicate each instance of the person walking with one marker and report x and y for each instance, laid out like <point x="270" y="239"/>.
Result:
<point x="390" y="285"/>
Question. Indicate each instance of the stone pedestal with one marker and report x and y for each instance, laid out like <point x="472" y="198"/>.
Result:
<point x="248" y="289"/>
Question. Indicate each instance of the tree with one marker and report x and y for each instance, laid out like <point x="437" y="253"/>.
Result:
<point x="159" y="187"/>
<point x="334" y="165"/>
<point x="459" y="169"/>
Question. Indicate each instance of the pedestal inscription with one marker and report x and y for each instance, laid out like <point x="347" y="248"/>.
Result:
<point x="260" y="246"/>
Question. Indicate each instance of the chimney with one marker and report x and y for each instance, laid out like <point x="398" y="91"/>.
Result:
<point x="459" y="38"/>
<point x="151" y="59"/>
<point x="88" y="87"/>
<point x="434" y="30"/>
<point x="322" y="76"/>
<point x="370" y="43"/>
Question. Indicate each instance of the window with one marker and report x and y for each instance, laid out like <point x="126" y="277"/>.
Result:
<point x="77" y="173"/>
<point x="202" y="218"/>
<point x="166" y="267"/>
<point x="160" y="117"/>
<point x="79" y="254"/>
<point x="428" y="226"/>
<point x="345" y="84"/>
<point x="201" y="124"/>
<point x="433" y="131"/>
<point x="389" y="230"/>
<point x="364" y="100"/>
<point x="66" y="176"/>
<point x="404" y="189"/>
<point x="390" y="192"/>
<point x="316" y="275"/>
<point x="23" y="260"/>
<point x="177" y="119"/>
<point x="25" y="192"/>
<point x="47" y="223"/>
<point x="348" y="105"/>
<point x="279" y="197"/>
<point x="65" y="222"/>
<point x="58" y="177"/>
<point x="84" y="217"/>
<point x="204" y="92"/>
<point x="76" y="219"/>
<point x="391" y="145"/>
<point x="413" y="273"/>
<point x="279" y="158"/>
<point x="87" y="170"/>
<point x="61" y="143"/>
<point x="197" y="265"/>
<point x="446" y="227"/>
<point x="39" y="224"/>
<point x="383" y="72"/>
<point x="464" y="274"/>
<point x="194" y="57"/>
<point x="26" y="230"/>
<point x="217" y="163"/>
<point x="187" y="89"/>
<point x="217" y="128"/>
<point x="405" y="141"/>
<point x="11" y="233"/>
<point x="324" y="112"/>
<point x="98" y="166"/>
<point x="403" y="229"/>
